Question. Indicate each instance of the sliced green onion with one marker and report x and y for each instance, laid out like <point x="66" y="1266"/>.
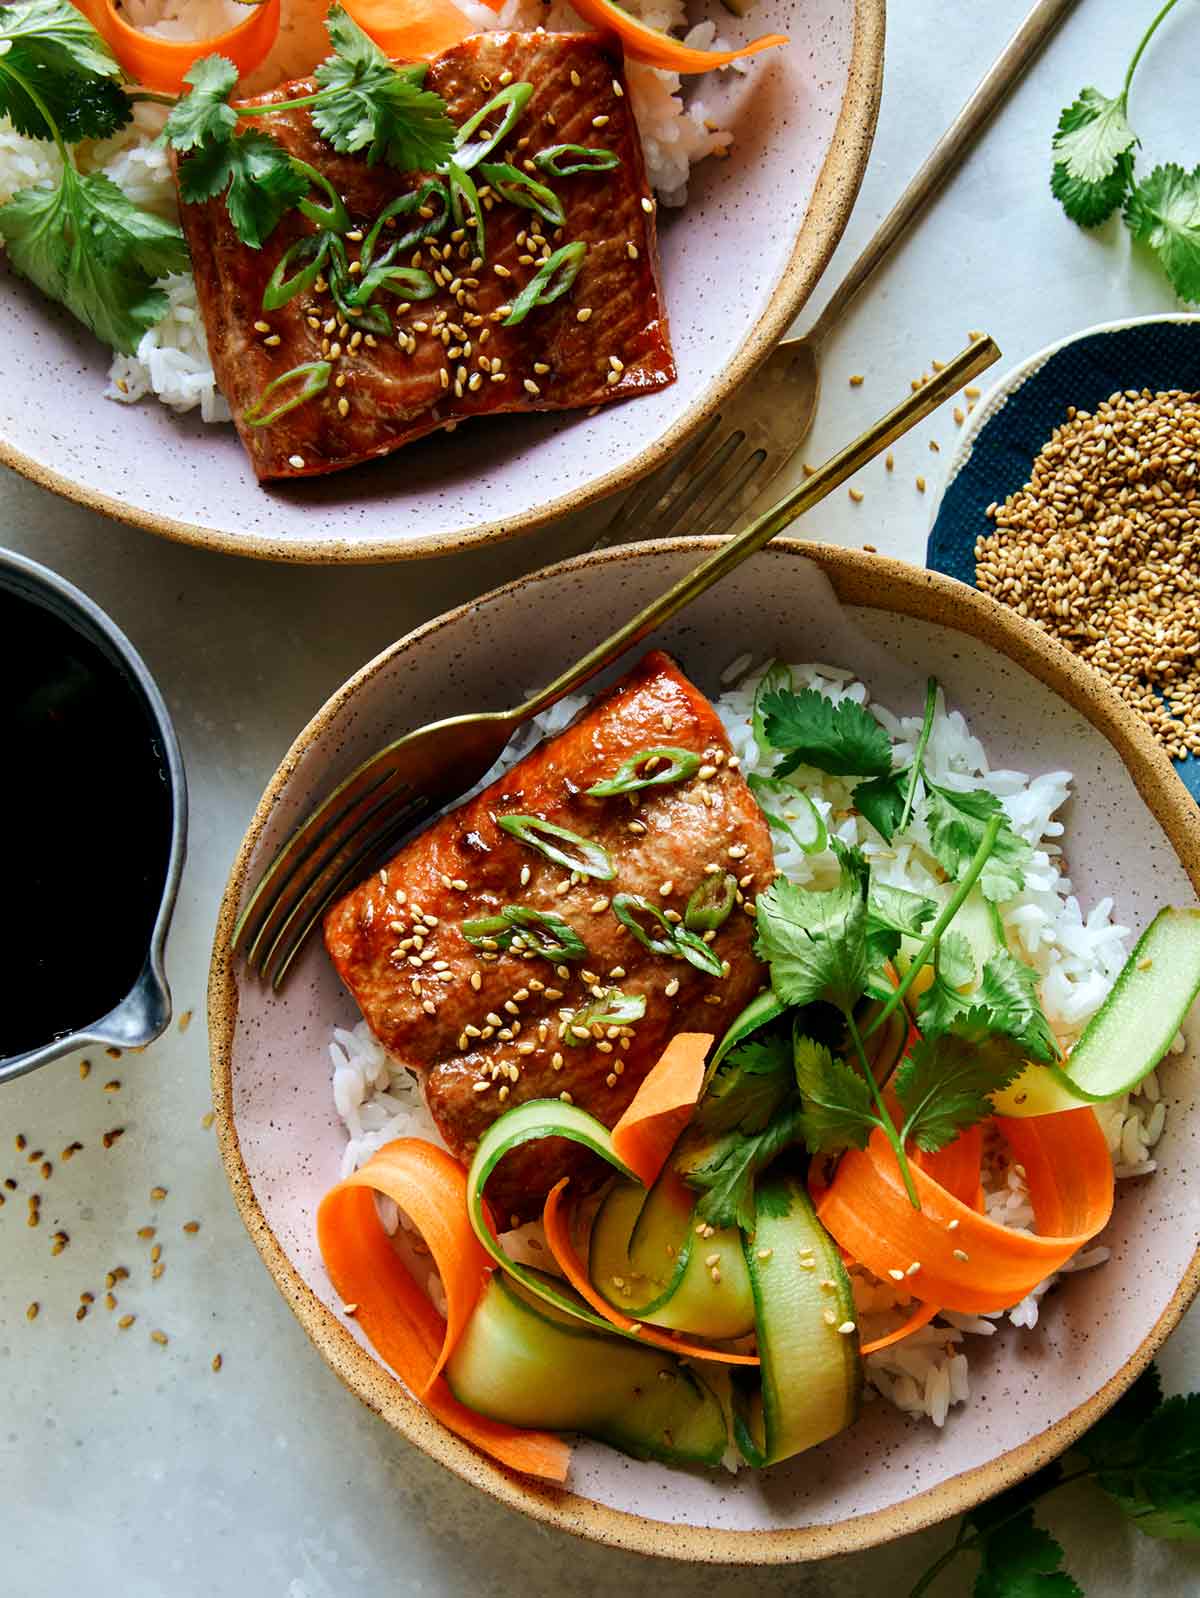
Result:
<point x="783" y="793"/>
<point x="316" y="376"/>
<point x="313" y="248"/>
<point x="542" y="289"/>
<point x="514" y="98"/>
<point x="665" y="937"/>
<point x="405" y="282"/>
<point x="632" y="775"/>
<point x="613" y="1008"/>
<point x="345" y="293"/>
<point x="465" y="205"/>
<point x="520" y="926"/>
<point x="427" y="227"/>
<point x="584" y="159"/>
<point x="590" y="861"/>
<point x="518" y="188"/>
<point x="334" y="218"/>
<point x="711" y="904"/>
<point x="776" y="679"/>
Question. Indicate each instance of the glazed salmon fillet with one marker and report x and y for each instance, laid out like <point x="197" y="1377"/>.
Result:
<point x="449" y="357"/>
<point x="487" y="1028"/>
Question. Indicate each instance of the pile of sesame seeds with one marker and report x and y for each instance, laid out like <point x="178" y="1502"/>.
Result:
<point x="1101" y="548"/>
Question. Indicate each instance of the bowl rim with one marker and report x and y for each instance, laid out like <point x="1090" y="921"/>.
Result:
<point x="821" y="228"/>
<point x="872" y="582"/>
<point x="1009" y="383"/>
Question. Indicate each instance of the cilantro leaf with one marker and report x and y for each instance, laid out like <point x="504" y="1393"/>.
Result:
<point x="748" y="1087"/>
<point x="956" y="823"/>
<point x="724" y="1170"/>
<point x="815" y="943"/>
<point x="1114" y="1431"/>
<point x="1163" y="211"/>
<point x="1008" y="989"/>
<point x="87" y="245"/>
<point x="204" y="116"/>
<point x="844" y="739"/>
<point x="1093" y="133"/>
<point x="944" y="1084"/>
<point x="838" y="1111"/>
<point x="1022" y="1560"/>
<point x="1155" y="1474"/>
<point x="895" y="913"/>
<point x="881" y="800"/>
<point x="369" y="104"/>
<point x="1089" y="204"/>
<point x="262" y="183"/>
<point x="942" y="1002"/>
<point x="57" y="74"/>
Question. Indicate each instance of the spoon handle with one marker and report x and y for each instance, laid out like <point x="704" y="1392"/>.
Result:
<point x="733" y="551"/>
<point x="948" y="153"/>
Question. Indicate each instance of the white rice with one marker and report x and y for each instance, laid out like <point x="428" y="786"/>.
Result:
<point x="1077" y="956"/>
<point x="172" y="361"/>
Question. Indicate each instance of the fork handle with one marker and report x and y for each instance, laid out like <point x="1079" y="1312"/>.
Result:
<point x="948" y="153"/>
<point x="967" y="364"/>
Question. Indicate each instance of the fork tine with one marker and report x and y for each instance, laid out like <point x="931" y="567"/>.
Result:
<point x="312" y="864"/>
<point x="699" y="484"/>
<point x="305" y="911"/>
<point x="642" y="504"/>
<point x="736" y="494"/>
<point x="331" y="814"/>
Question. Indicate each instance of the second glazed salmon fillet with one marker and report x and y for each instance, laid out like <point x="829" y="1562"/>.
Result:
<point x="484" y="1029"/>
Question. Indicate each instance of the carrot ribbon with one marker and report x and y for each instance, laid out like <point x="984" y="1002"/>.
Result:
<point x="967" y="1262"/>
<point x="658" y="49"/>
<point x="160" y="64"/>
<point x="401" y="1324"/>
<point x="662" y="1106"/>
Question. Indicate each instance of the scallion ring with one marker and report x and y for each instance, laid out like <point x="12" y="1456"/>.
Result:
<point x="613" y="1008"/>
<point x="316" y="380"/>
<point x="776" y="679"/>
<point x="549" y="283"/>
<point x="667" y="938"/>
<point x="670" y="765"/>
<point x="513" y="99"/>
<point x="711" y="903"/>
<point x="334" y="217"/>
<point x="348" y="296"/>
<point x="590" y="860"/>
<point x="518" y="188"/>
<point x="405" y="282"/>
<point x="465" y="205"/>
<point x="583" y="159"/>
<point x="417" y="200"/>
<point x="521" y="926"/>
<point x="313" y="248"/>
<point x="774" y="797"/>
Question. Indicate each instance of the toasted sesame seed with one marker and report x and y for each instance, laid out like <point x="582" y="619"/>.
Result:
<point x="156" y="1254"/>
<point x="920" y="485"/>
<point x="600" y="122"/>
<point x="672" y="988"/>
<point x="961" y="1254"/>
<point x="296" y="462"/>
<point x="829" y="1317"/>
<point x="631" y="250"/>
<point x="480" y="1087"/>
<point x="856" y="494"/>
<point x="126" y="1322"/>
<point x="160" y="1338"/>
<point x="896" y="1276"/>
<point x="31" y="1314"/>
<point x="158" y="1194"/>
<point x="847" y="1328"/>
<point x="566" y="1097"/>
<point x="647" y="205"/>
<point x="530" y="386"/>
<point x="217" y="1362"/>
<point x="952" y="1226"/>
<point x="191" y="1227"/>
<point x="273" y="341"/>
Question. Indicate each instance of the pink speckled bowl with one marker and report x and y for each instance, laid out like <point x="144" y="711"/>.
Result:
<point x="1133" y="832"/>
<point x="739" y="261"/>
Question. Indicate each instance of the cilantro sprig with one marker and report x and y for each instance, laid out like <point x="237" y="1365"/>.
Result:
<point x="1144" y="1454"/>
<point x="363" y="105"/>
<point x="80" y="239"/>
<point x="1094" y="151"/>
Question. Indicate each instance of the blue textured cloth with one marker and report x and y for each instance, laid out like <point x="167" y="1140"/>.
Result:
<point x="1154" y="355"/>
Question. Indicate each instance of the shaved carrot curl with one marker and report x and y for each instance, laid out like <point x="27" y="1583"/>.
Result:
<point x="657" y="49"/>
<point x="400" y="1322"/>
<point x="558" y="1238"/>
<point x="413" y="30"/>
<point x="160" y="64"/>
<point x="967" y="1262"/>
<point x="662" y="1106"/>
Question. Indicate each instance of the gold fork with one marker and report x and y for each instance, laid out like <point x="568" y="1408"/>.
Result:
<point x="368" y="814"/>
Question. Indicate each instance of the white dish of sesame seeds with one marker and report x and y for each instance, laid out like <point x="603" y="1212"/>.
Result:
<point x="738" y="261"/>
<point x="1032" y="709"/>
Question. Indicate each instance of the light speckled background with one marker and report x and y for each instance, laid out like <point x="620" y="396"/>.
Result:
<point x="132" y="1470"/>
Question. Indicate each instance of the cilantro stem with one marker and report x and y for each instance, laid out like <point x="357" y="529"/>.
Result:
<point x="980" y="858"/>
<point x="1140" y="51"/>
<point x="295" y="105"/>
<point x="887" y="1125"/>
<point x="151" y="97"/>
<point x="931" y="688"/>
<point x="963" y="1543"/>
